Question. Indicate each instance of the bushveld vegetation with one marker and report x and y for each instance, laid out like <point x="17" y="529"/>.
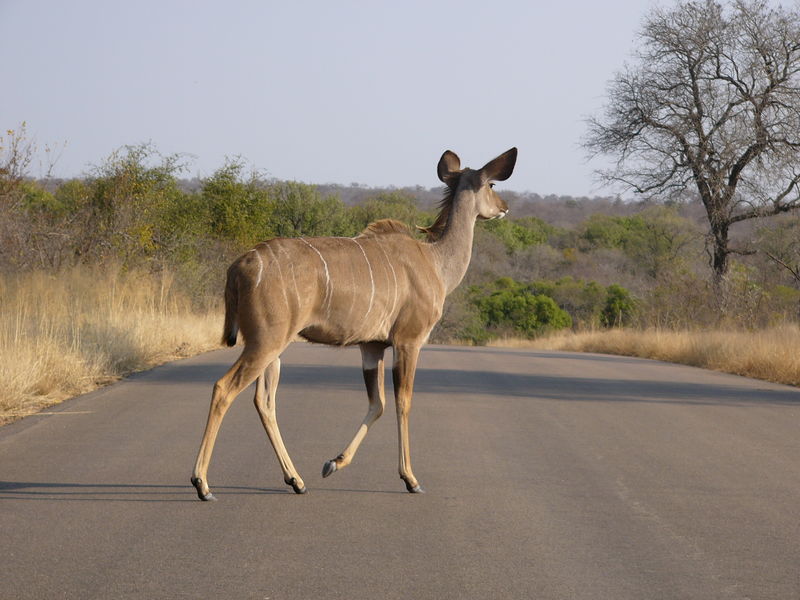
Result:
<point x="116" y="270"/>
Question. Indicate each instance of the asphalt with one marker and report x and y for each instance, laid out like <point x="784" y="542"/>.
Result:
<point x="548" y="475"/>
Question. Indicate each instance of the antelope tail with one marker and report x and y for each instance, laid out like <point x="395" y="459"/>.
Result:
<point x="231" y="310"/>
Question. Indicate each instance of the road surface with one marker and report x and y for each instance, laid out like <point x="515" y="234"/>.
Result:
<point x="549" y="476"/>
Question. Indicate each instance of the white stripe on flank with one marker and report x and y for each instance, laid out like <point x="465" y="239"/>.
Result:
<point x="280" y="272"/>
<point x="394" y="276"/>
<point x="260" y="266"/>
<point x="371" y="278"/>
<point x="328" y="283"/>
<point x="288" y="258"/>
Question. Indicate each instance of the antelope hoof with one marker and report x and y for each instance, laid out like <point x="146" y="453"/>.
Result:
<point x="414" y="489"/>
<point x="198" y="485"/>
<point x="296" y="487"/>
<point x="329" y="468"/>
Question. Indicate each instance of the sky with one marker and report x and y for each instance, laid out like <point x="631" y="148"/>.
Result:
<point x="333" y="91"/>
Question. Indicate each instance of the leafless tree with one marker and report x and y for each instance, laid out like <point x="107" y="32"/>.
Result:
<point x="712" y="102"/>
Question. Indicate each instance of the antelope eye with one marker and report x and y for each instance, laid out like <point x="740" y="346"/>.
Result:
<point x="491" y="185"/>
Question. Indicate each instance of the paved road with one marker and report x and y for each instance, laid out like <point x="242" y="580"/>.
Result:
<point x="549" y="475"/>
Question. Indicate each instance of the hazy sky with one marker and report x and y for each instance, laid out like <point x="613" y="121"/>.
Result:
<point x="327" y="91"/>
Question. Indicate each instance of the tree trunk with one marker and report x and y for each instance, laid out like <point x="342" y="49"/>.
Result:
<point x="720" y="252"/>
<point x="719" y="266"/>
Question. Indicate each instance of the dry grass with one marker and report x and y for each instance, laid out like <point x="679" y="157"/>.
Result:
<point x="770" y="354"/>
<point x="65" y="334"/>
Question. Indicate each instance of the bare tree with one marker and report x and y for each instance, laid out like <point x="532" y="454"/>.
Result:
<point x="711" y="103"/>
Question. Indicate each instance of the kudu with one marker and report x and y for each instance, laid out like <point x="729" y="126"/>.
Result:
<point x="381" y="288"/>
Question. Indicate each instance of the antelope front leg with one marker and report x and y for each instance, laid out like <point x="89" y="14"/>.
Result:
<point x="372" y="365"/>
<point x="403" y="370"/>
<point x="265" y="405"/>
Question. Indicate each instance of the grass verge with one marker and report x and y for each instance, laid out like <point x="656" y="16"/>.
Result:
<point x="68" y="333"/>
<point x="771" y="354"/>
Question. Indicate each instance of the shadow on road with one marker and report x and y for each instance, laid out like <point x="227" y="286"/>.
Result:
<point x="536" y="387"/>
<point x="465" y="383"/>
<point x="110" y="492"/>
<point x="534" y="354"/>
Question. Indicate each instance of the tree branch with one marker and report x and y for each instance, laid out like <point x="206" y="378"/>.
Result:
<point x="794" y="271"/>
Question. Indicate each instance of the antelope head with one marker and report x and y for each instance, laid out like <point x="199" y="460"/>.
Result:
<point x="478" y="184"/>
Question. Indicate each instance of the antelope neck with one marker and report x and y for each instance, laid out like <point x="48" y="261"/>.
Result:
<point x="453" y="249"/>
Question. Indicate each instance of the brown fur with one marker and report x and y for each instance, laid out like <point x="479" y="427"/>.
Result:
<point x="382" y="288"/>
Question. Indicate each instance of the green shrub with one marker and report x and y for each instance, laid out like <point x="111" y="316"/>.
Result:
<point x="507" y="306"/>
<point x="619" y="306"/>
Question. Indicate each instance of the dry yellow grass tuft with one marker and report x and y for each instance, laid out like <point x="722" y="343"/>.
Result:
<point x="771" y="354"/>
<point x="67" y="333"/>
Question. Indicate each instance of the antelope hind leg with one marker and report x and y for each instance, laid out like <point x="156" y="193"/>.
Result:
<point x="265" y="398"/>
<point x="243" y="372"/>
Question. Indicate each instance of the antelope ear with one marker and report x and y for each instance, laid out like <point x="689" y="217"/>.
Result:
<point x="449" y="167"/>
<point x="500" y="168"/>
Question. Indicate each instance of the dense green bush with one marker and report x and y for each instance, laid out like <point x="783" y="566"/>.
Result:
<point x="509" y="307"/>
<point x="238" y="207"/>
<point x="618" y="307"/>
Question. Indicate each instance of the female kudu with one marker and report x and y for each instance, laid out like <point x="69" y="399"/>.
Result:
<point x="382" y="288"/>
